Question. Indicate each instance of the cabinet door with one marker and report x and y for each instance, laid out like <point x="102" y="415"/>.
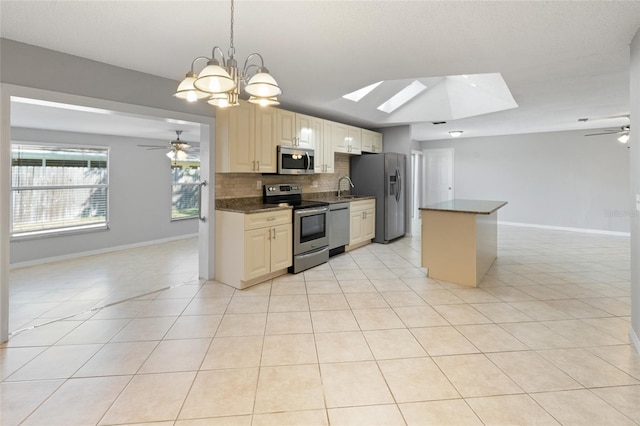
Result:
<point x="355" y="231"/>
<point x="286" y="127"/>
<point x="367" y="141"/>
<point x="328" y="153"/>
<point x="354" y="135"/>
<point x="266" y="139"/>
<point x="281" y="247"/>
<point x="340" y="138"/>
<point x="377" y="142"/>
<point x="241" y="138"/>
<point x="305" y="131"/>
<point x="369" y="224"/>
<point x="257" y="259"/>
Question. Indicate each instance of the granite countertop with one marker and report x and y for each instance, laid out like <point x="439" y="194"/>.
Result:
<point x="332" y="197"/>
<point x="466" y="206"/>
<point x="247" y="205"/>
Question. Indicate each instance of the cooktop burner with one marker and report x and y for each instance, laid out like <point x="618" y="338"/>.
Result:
<point x="288" y="194"/>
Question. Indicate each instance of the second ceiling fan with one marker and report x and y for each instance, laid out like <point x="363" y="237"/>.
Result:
<point x="178" y="150"/>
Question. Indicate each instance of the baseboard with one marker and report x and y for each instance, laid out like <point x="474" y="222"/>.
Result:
<point x="564" y="228"/>
<point x="634" y="339"/>
<point x="98" y="251"/>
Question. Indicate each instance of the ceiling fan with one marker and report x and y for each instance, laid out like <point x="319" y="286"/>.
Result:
<point x="622" y="132"/>
<point x="177" y="148"/>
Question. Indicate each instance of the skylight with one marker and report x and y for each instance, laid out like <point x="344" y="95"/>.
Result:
<point x="361" y="93"/>
<point x="402" y="97"/>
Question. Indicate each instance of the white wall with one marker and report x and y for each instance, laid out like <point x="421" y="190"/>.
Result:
<point x="634" y="141"/>
<point x="555" y="179"/>
<point x="139" y="198"/>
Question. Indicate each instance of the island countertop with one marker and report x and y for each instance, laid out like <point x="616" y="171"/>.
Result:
<point x="466" y="206"/>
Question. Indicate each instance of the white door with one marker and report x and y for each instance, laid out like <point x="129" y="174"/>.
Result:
<point x="416" y="183"/>
<point x="438" y="175"/>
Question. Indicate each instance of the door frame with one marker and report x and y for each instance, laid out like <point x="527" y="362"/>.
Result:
<point x="206" y="230"/>
<point x="429" y="151"/>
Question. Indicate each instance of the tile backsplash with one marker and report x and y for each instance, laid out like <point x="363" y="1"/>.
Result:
<point x="240" y="185"/>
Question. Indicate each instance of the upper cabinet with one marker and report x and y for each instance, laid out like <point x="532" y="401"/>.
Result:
<point x="371" y="141"/>
<point x="296" y="129"/>
<point x="347" y="139"/>
<point x="247" y="137"/>
<point x="308" y="131"/>
<point x="286" y="128"/>
<point x="324" y="158"/>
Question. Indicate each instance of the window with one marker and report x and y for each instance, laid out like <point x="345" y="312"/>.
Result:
<point x="185" y="188"/>
<point x="58" y="189"/>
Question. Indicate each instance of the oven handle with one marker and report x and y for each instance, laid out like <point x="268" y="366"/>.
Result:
<point x="304" y="212"/>
<point x="313" y="253"/>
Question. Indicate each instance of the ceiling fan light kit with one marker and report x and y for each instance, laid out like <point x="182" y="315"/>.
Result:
<point x="220" y="81"/>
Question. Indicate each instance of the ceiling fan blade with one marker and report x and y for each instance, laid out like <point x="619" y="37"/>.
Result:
<point x="605" y="133"/>
<point x="151" y="146"/>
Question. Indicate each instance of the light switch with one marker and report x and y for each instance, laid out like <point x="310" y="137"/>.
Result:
<point x="638" y="202"/>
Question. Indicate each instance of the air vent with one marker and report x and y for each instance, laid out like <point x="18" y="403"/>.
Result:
<point x="435" y="123"/>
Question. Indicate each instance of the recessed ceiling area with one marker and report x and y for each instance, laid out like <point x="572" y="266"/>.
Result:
<point x="428" y="99"/>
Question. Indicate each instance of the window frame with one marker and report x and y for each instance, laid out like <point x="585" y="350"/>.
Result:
<point x="71" y="229"/>
<point x="190" y="184"/>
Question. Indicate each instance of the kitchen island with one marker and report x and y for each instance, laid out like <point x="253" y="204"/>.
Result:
<point x="460" y="239"/>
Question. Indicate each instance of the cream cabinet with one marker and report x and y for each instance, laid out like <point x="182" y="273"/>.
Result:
<point x="298" y="130"/>
<point x="324" y="158"/>
<point x="362" y="223"/>
<point x="252" y="248"/>
<point x="286" y="127"/>
<point x="371" y="141"/>
<point x="246" y="139"/>
<point x="347" y="139"/>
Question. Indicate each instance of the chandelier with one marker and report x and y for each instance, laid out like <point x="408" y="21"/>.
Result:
<point x="220" y="82"/>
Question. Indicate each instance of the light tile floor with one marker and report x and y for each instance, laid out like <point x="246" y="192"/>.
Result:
<point x="366" y="339"/>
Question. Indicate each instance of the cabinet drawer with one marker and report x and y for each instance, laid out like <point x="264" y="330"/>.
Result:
<point x="263" y="220"/>
<point x="363" y="205"/>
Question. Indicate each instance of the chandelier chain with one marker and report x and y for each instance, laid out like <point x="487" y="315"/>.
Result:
<point x="232" y="49"/>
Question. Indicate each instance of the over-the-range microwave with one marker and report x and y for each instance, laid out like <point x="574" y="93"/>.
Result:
<point x="295" y="161"/>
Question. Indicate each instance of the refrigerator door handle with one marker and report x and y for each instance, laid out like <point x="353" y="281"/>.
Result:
<point x="399" y="180"/>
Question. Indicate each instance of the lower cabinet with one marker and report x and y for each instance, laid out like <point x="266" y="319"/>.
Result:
<point x="362" y="223"/>
<point x="254" y="247"/>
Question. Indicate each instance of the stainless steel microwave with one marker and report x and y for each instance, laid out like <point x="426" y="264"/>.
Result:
<point x="295" y="161"/>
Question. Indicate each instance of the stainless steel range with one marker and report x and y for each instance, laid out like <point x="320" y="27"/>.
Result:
<point x="310" y="236"/>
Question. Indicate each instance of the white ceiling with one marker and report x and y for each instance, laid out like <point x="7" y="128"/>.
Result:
<point x="562" y="60"/>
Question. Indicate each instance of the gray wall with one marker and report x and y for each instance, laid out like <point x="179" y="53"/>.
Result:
<point x="139" y="198"/>
<point x="556" y="179"/>
<point x="31" y="66"/>
<point x="635" y="189"/>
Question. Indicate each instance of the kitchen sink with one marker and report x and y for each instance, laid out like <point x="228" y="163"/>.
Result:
<point x="351" y="197"/>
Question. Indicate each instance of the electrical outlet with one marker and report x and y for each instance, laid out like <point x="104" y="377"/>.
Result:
<point x="314" y="183"/>
<point x="258" y="184"/>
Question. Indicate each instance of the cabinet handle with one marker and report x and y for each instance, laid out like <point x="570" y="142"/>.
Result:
<point x="258" y="167"/>
<point x="253" y="165"/>
<point x="274" y="233"/>
<point x="270" y="219"/>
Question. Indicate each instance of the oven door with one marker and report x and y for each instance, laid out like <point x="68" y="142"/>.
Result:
<point x="310" y="229"/>
<point x="295" y="161"/>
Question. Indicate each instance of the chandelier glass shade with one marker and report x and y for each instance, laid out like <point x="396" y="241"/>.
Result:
<point x="221" y="81"/>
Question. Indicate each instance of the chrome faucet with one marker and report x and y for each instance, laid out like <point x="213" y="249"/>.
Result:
<point x="340" y="181"/>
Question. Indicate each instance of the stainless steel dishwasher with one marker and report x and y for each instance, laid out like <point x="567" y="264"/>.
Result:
<point x="338" y="227"/>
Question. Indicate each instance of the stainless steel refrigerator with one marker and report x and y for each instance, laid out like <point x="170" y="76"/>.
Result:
<point x="383" y="176"/>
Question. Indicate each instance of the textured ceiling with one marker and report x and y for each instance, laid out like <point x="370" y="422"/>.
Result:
<point x="561" y="60"/>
